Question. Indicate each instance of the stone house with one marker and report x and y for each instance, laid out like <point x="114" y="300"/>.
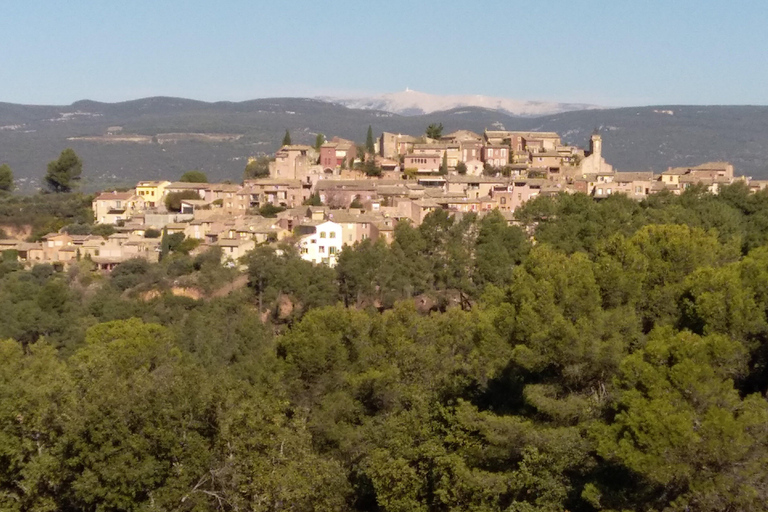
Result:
<point x="114" y="207"/>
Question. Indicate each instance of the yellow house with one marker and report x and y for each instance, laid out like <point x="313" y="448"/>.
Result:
<point x="152" y="192"/>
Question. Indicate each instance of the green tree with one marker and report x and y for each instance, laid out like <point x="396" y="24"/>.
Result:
<point x="257" y="168"/>
<point x="499" y="248"/>
<point x="287" y="138"/>
<point x="173" y="199"/>
<point x="680" y="425"/>
<point x="194" y="177"/>
<point x="158" y="421"/>
<point x="461" y="168"/>
<point x="444" y="164"/>
<point x="369" y="147"/>
<point x="313" y="200"/>
<point x="36" y="396"/>
<point x="6" y="178"/>
<point x="165" y="245"/>
<point x="435" y="130"/>
<point x="270" y="210"/>
<point x="64" y="173"/>
<point x="319" y="141"/>
<point x="370" y="168"/>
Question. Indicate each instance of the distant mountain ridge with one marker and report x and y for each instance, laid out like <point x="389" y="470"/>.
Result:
<point x="411" y="103"/>
<point x="634" y="138"/>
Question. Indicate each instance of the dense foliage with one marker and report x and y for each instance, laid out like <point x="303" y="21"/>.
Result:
<point x="64" y="173"/>
<point x="194" y="176"/>
<point x="6" y="178"/>
<point x="37" y="215"/>
<point x="617" y="360"/>
<point x="257" y="168"/>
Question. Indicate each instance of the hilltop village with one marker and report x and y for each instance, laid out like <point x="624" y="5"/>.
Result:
<point x="335" y="194"/>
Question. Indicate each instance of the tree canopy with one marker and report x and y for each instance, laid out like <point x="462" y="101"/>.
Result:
<point x="591" y="356"/>
<point x="435" y="130"/>
<point x="319" y="141"/>
<point x="194" y="177"/>
<point x="287" y="138"/>
<point x="173" y="199"/>
<point x="257" y="168"/>
<point x="64" y="173"/>
<point x="6" y="178"/>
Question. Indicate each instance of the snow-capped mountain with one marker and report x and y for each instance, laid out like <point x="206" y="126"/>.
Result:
<point x="410" y="102"/>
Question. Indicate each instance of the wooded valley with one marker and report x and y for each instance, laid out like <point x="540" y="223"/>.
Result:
<point x="600" y="355"/>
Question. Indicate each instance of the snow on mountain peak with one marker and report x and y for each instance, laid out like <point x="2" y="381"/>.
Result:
<point x="410" y="102"/>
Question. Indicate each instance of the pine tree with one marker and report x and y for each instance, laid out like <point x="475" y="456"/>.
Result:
<point x="287" y="138"/>
<point x="65" y="172"/>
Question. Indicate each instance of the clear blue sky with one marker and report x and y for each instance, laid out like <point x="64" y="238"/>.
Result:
<point x="625" y="52"/>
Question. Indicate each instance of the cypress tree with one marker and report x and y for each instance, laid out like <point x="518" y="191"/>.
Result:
<point x="165" y="244"/>
<point x="369" y="141"/>
<point x="444" y="165"/>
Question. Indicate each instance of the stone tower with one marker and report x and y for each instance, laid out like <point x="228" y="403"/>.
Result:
<point x="596" y="146"/>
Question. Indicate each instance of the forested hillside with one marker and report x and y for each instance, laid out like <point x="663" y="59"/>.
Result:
<point x="607" y="355"/>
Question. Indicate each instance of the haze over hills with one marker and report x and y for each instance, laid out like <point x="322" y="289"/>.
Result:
<point x="411" y="103"/>
<point x="159" y="137"/>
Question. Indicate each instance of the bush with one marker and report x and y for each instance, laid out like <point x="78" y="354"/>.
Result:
<point x="179" y="265"/>
<point x="257" y="168"/>
<point x="173" y="200"/>
<point x="152" y="233"/>
<point x="209" y="258"/>
<point x="194" y="177"/>
<point x="103" y="230"/>
<point x="313" y="200"/>
<point x="77" y="229"/>
<point x="130" y="273"/>
<point x="270" y="210"/>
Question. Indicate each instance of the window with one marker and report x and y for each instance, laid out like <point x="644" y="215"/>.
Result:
<point x="331" y="250"/>
<point x="321" y="250"/>
<point x="608" y="192"/>
<point x="322" y="234"/>
<point x="599" y="191"/>
<point x="503" y="200"/>
<point x="331" y="234"/>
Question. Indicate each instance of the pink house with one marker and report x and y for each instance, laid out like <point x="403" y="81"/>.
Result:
<point x="423" y="163"/>
<point x="496" y="155"/>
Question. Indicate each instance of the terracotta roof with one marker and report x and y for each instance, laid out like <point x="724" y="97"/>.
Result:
<point x="625" y="177"/>
<point x="116" y="196"/>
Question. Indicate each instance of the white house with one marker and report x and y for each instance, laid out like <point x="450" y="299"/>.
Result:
<point x="324" y="245"/>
